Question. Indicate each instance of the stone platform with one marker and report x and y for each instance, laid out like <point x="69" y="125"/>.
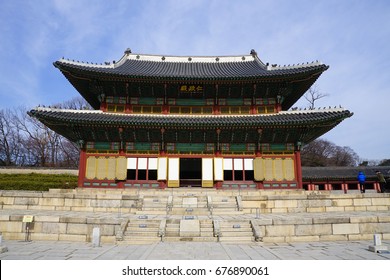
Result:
<point x="143" y="216"/>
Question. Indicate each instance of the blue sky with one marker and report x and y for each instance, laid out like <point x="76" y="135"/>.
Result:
<point x="351" y="36"/>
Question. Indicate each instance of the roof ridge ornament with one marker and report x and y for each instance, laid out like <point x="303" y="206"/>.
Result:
<point x="294" y="66"/>
<point x="128" y="51"/>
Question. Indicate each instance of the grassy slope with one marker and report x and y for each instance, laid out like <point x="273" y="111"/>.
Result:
<point x="37" y="182"/>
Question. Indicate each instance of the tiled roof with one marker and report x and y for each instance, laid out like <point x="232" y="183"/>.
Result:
<point x="196" y="67"/>
<point x="329" y="117"/>
<point x="342" y="172"/>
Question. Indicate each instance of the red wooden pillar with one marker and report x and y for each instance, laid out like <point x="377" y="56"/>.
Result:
<point x="278" y="107"/>
<point x="103" y="106"/>
<point x="298" y="168"/>
<point x="128" y="109"/>
<point x="344" y="186"/>
<point x="216" y="110"/>
<point x="82" y="167"/>
<point x="122" y="153"/>
<point x="376" y="187"/>
<point x="165" y="109"/>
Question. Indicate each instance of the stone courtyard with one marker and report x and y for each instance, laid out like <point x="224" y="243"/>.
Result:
<point x="61" y="250"/>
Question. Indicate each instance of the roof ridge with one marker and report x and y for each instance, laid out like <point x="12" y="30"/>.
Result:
<point x="51" y="109"/>
<point x="128" y="55"/>
<point x="294" y="66"/>
<point x="191" y="59"/>
<point x="314" y="110"/>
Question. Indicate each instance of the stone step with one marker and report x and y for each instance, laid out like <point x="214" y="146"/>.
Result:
<point x="193" y="239"/>
<point x="129" y="240"/>
<point x="224" y="200"/>
<point x="172" y="234"/>
<point x="148" y="207"/>
<point x="206" y="234"/>
<point x="224" y="206"/>
<point x="175" y="224"/>
<point x="145" y="221"/>
<point x="138" y="229"/>
<point x="139" y="234"/>
<point x="234" y="222"/>
<point x="172" y="227"/>
<point x="151" y="212"/>
<point x="195" y="211"/>
<point x="235" y="239"/>
<point x="236" y="233"/>
<point x="235" y="225"/>
<point x="206" y="226"/>
<point x="156" y="199"/>
<point x="224" y="212"/>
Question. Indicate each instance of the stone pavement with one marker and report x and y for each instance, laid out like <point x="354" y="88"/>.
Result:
<point x="58" y="250"/>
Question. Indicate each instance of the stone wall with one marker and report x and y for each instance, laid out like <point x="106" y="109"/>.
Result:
<point x="58" y="228"/>
<point x="315" y="202"/>
<point x="70" y="200"/>
<point x="325" y="228"/>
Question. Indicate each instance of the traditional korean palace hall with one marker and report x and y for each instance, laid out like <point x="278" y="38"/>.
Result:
<point x="195" y="148"/>
<point x="199" y="121"/>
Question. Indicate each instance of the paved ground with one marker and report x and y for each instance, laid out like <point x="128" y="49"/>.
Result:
<point x="44" y="250"/>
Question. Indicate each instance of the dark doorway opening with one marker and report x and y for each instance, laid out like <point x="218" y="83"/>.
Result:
<point x="190" y="172"/>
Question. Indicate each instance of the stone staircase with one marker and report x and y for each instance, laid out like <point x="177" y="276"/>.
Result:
<point x="189" y="205"/>
<point x="141" y="231"/>
<point x="172" y="230"/>
<point x="195" y="209"/>
<point x="224" y="205"/>
<point x="205" y="234"/>
<point x="236" y="231"/>
<point x="153" y="205"/>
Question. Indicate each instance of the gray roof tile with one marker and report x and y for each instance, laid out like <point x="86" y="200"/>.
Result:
<point x="93" y="117"/>
<point x="197" y="68"/>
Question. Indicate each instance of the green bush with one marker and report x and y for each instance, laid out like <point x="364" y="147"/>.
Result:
<point x="37" y="181"/>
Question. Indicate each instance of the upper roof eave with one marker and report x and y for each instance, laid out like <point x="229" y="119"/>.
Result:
<point x="139" y="66"/>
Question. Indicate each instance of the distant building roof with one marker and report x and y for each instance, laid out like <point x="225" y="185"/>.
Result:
<point x="333" y="173"/>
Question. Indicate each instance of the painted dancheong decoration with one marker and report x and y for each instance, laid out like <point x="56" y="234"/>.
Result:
<point x="199" y="121"/>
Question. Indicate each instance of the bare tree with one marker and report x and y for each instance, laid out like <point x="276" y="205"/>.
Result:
<point x="312" y="95"/>
<point x="69" y="153"/>
<point x="76" y="103"/>
<point x="384" y="162"/>
<point x="39" y="141"/>
<point x="10" y="139"/>
<point x="343" y="156"/>
<point x="321" y="152"/>
<point x="317" y="153"/>
<point x="25" y="141"/>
